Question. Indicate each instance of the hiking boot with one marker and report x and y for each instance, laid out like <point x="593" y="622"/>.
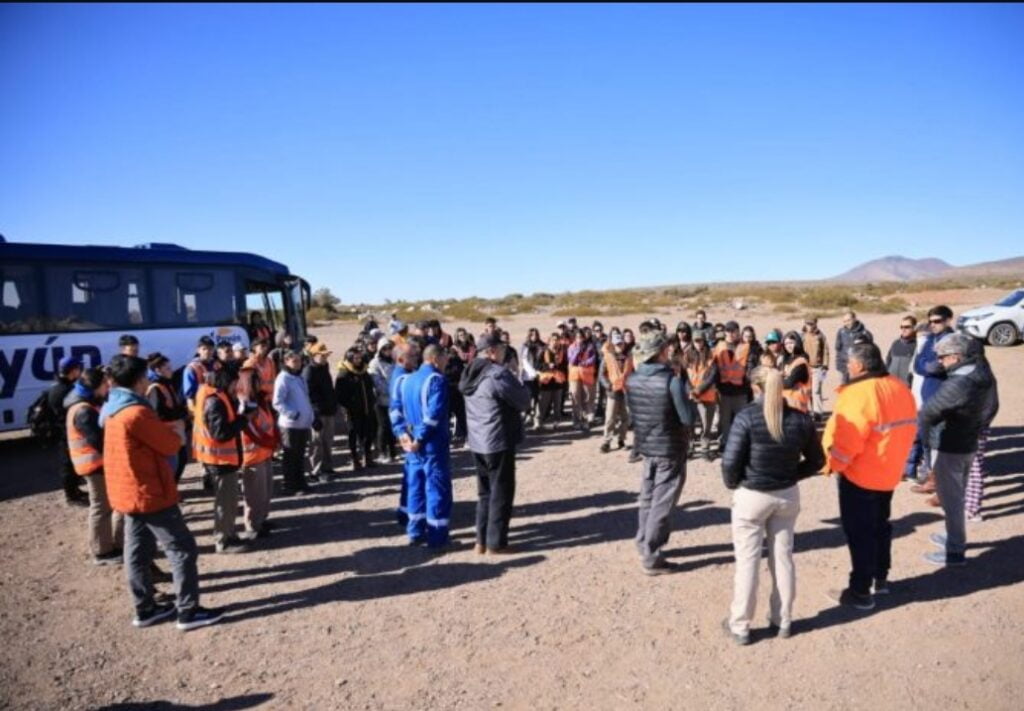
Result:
<point x="232" y="545"/>
<point x="740" y="639"/>
<point x="152" y="616"/>
<point x="949" y="560"/>
<point x="114" y="557"/>
<point x="622" y="444"/>
<point x="848" y="598"/>
<point x="197" y="617"/>
<point x="605" y="448"/>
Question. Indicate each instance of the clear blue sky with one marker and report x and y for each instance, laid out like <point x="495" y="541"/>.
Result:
<point x="429" y="151"/>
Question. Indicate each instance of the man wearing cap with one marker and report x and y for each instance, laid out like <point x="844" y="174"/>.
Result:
<point x="950" y="422"/>
<point x="68" y="371"/>
<point x="816" y="346"/>
<point x="317" y="374"/>
<point x="195" y="372"/>
<point x="662" y="416"/>
<point x="495" y="402"/>
<point x="426" y="441"/>
<point x="733" y="384"/>
<point x="616" y="366"/>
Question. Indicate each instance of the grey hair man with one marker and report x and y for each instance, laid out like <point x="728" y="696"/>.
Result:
<point x="950" y="422"/>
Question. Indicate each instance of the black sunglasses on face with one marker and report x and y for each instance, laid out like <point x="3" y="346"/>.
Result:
<point x="936" y="320"/>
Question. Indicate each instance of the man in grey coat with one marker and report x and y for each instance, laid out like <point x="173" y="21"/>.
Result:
<point x="495" y="402"/>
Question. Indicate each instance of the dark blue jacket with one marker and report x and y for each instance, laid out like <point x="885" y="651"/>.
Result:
<point x="927" y="365"/>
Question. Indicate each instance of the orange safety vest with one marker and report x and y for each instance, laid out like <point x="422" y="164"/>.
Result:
<point x="259" y="438"/>
<point x="732" y="365"/>
<point x="267" y="373"/>
<point x="696" y="372"/>
<point x="207" y="449"/>
<point x="168" y="396"/>
<point x="556" y="360"/>
<point x="617" y="376"/>
<point x="799" y="397"/>
<point x="84" y="457"/>
<point x="587" y="374"/>
<point x="262" y="332"/>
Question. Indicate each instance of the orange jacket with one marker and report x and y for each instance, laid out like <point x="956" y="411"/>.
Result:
<point x="870" y="433"/>
<point x="136" y="465"/>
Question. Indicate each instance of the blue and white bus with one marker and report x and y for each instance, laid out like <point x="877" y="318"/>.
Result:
<point x="58" y="300"/>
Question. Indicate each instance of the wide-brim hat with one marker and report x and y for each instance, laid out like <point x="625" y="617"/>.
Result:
<point x="650" y="344"/>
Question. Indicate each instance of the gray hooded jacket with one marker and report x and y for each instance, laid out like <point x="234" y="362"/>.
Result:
<point x="495" y="400"/>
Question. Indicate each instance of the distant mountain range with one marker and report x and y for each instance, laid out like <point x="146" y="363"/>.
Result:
<point x="897" y="268"/>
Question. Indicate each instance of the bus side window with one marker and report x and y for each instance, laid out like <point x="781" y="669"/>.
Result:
<point x="86" y="298"/>
<point x="194" y="296"/>
<point x="19" y="301"/>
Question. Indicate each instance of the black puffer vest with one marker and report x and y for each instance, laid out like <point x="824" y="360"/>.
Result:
<point x="656" y="425"/>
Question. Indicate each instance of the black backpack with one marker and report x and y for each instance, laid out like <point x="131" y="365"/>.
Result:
<point x="43" y="421"/>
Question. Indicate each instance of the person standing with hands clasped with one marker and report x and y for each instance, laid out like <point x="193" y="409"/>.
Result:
<point x="295" y="419"/>
<point x="495" y="402"/>
<point x="771" y="447"/>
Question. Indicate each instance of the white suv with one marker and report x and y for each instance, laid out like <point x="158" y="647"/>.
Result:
<point x="1001" y="324"/>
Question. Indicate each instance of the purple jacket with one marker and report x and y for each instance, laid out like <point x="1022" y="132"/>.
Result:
<point x="582" y="356"/>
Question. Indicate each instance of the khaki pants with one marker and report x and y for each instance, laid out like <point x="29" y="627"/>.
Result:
<point x="754" y="514"/>
<point x="615" y="420"/>
<point x="257" y="486"/>
<point x="320" y="445"/>
<point x="106" y="527"/>
<point x="582" y="401"/>
<point x="225" y="505"/>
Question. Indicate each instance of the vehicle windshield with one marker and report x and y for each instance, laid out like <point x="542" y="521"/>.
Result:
<point x="1013" y="299"/>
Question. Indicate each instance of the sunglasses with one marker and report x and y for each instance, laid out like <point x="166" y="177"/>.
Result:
<point x="936" y="320"/>
<point x="908" y="326"/>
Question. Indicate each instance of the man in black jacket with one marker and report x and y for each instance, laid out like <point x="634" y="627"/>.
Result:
<point x="68" y="371"/>
<point x="950" y="423"/>
<point x="852" y="331"/>
<point x="323" y="398"/>
<point x="900" y="359"/>
<point x="662" y="415"/>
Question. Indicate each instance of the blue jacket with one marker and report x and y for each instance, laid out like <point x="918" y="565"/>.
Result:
<point x="926" y="364"/>
<point x="395" y="413"/>
<point x="425" y="409"/>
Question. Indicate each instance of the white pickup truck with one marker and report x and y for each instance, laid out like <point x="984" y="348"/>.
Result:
<point x="1001" y="324"/>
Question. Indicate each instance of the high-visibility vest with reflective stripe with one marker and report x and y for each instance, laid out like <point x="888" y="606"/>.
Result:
<point x="84" y="457"/>
<point x="799" y="397"/>
<point x="732" y="365"/>
<point x="207" y="449"/>
<point x="259" y="438"/>
<point x="267" y="373"/>
<point x="696" y="373"/>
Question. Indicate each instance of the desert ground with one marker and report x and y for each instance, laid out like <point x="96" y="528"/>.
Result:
<point x="336" y="611"/>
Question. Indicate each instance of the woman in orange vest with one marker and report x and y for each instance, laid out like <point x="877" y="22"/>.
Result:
<point x="259" y="440"/>
<point x="85" y="445"/>
<point x="796" y="373"/>
<point x="217" y="442"/>
<point x="616" y="366"/>
<point x="582" y="379"/>
<point x="552" y="379"/>
<point x="702" y="373"/>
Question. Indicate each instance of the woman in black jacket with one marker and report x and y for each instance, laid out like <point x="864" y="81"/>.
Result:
<point x="770" y="448"/>
<point x="354" y="388"/>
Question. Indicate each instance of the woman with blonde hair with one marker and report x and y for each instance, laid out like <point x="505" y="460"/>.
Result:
<point x="771" y="447"/>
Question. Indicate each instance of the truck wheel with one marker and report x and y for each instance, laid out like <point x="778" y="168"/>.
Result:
<point x="1003" y="334"/>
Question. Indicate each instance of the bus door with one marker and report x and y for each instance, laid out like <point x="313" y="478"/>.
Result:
<point x="268" y="301"/>
<point x="298" y="304"/>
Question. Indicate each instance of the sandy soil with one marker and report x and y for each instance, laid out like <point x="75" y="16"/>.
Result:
<point x="334" y="611"/>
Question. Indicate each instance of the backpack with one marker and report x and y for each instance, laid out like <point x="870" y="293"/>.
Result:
<point x="43" y="421"/>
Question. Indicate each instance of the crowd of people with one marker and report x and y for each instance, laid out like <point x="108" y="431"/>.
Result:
<point x="415" y="393"/>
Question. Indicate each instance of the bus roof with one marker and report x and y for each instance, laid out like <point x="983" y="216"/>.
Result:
<point x="152" y="253"/>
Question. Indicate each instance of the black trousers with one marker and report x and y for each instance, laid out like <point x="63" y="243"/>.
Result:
<point x="362" y="430"/>
<point x="386" y="446"/>
<point x="293" y="458"/>
<point x="865" y="516"/>
<point x="70" y="482"/>
<point x="457" y="404"/>
<point x="496" y="489"/>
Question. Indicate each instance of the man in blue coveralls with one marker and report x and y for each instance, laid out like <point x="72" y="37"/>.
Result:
<point x="407" y="358"/>
<point x="426" y="441"/>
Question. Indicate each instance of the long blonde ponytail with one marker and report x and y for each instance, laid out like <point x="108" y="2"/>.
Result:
<point x="769" y="380"/>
